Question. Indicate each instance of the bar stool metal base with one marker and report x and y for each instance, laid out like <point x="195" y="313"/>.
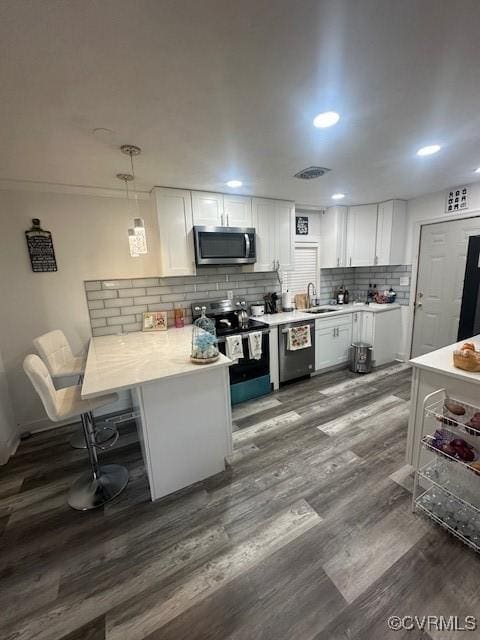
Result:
<point x="88" y="492"/>
<point x="102" y="435"/>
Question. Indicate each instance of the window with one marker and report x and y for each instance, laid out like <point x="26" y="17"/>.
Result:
<point x="306" y="269"/>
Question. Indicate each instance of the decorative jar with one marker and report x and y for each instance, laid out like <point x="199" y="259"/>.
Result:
<point x="204" y="340"/>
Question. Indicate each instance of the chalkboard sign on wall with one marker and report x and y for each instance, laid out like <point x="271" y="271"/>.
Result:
<point x="40" y="248"/>
<point x="301" y="225"/>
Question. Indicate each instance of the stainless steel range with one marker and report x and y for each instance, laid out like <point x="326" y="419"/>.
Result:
<point x="249" y="378"/>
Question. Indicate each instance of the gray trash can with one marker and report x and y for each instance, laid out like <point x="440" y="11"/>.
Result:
<point x="361" y="357"/>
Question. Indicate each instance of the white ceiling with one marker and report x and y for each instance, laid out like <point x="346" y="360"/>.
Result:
<point x="220" y="89"/>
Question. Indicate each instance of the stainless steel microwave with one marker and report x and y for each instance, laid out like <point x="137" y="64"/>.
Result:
<point x="224" y="245"/>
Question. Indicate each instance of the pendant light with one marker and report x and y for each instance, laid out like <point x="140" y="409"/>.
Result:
<point x="136" y="235"/>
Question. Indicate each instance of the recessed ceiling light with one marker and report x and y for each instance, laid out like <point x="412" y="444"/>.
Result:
<point x="326" y="119"/>
<point x="234" y="184"/>
<point x="477" y="170"/>
<point x="338" y="196"/>
<point x="429" y="150"/>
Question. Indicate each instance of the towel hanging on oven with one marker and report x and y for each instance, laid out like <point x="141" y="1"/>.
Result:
<point x="234" y="347"/>
<point x="299" y="338"/>
<point x="255" y="345"/>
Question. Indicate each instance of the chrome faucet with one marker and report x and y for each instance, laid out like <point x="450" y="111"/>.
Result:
<point x="314" y="291"/>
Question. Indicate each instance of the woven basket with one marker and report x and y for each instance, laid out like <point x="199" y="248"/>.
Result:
<point x="467" y="360"/>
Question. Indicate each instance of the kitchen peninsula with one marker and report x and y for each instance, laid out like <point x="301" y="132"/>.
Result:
<point x="184" y="415"/>
<point x="434" y="371"/>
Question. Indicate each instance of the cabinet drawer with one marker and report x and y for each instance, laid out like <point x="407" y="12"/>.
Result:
<point x="336" y="321"/>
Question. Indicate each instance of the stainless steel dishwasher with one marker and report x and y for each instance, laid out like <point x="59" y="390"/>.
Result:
<point x="299" y="363"/>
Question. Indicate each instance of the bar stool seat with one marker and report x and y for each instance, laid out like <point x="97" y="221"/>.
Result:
<point x="103" y="482"/>
<point x="55" y="351"/>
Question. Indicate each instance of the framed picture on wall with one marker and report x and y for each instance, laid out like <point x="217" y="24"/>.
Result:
<point x="301" y="225"/>
<point x="154" y="321"/>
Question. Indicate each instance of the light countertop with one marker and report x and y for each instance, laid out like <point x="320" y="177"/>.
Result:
<point x="275" y="319"/>
<point x="441" y="361"/>
<point x="123" y="361"/>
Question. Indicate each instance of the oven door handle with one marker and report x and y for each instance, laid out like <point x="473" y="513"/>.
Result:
<point x="242" y="335"/>
<point x="247" y="245"/>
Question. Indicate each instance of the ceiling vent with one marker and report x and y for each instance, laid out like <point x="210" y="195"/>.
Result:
<point x="311" y="172"/>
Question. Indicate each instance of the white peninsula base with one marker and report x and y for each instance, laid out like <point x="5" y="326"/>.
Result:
<point x="185" y="419"/>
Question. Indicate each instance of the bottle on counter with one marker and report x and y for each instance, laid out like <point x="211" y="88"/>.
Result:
<point x="369" y="293"/>
<point x="346" y="297"/>
<point x="340" y="295"/>
<point x="391" y="295"/>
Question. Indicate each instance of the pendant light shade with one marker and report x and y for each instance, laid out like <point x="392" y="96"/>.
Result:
<point x="137" y="239"/>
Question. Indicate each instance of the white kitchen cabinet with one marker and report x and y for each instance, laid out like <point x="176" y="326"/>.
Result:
<point x="207" y="209"/>
<point x="237" y="210"/>
<point x="274" y="224"/>
<point x="333" y="230"/>
<point x="357" y="326"/>
<point x="391" y="225"/>
<point x="361" y="235"/>
<point x="285" y="234"/>
<point x="381" y="330"/>
<point x="333" y="338"/>
<point x="174" y="216"/>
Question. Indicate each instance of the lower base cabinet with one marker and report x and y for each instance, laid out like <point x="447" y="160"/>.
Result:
<point x="332" y="342"/>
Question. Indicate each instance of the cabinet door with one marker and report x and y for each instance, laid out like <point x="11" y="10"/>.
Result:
<point x="361" y="235"/>
<point x="333" y="228"/>
<point x="391" y="225"/>
<point x="238" y="211"/>
<point x="367" y="333"/>
<point x="343" y="341"/>
<point x="264" y="222"/>
<point x="357" y="327"/>
<point x="174" y="215"/>
<point x="285" y="235"/>
<point x="208" y="209"/>
<point x="326" y="354"/>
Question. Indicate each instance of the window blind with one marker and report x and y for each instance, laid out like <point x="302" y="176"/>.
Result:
<point x="306" y="270"/>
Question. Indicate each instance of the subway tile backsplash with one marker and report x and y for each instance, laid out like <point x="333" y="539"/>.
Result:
<point x="357" y="279"/>
<point x="117" y="305"/>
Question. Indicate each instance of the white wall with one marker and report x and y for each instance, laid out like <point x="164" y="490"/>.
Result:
<point x="430" y="207"/>
<point x="90" y="240"/>
<point x="8" y="435"/>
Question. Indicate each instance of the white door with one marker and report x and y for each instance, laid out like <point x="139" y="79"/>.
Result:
<point x="237" y="210"/>
<point x="285" y="234"/>
<point x="333" y="228"/>
<point x="326" y="353"/>
<point x="208" y="209"/>
<point x="361" y="235"/>
<point x="264" y="223"/>
<point x="441" y="271"/>
<point x="174" y="215"/>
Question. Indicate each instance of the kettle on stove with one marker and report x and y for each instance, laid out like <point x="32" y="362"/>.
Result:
<point x="242" y="315"/>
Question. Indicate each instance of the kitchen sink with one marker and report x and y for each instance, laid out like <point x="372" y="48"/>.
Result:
<point x="319" y="311"/>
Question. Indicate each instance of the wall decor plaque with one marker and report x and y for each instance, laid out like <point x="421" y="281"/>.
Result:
<point x="40" y="248"/>
<point x="456" y="199"/>
<point x="301" y="223"/>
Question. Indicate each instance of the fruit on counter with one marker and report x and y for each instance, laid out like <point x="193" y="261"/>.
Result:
<point x="454" y="407"/>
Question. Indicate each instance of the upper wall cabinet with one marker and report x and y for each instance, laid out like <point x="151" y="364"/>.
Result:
<point x="333" y="230"/>
<point x="238" y="211"/>
<point x="274" y="222"/>
<point x="221" y="210"/>
<point x="391" y="229"/>
<point x="174" y="214"/>
<point x="361" y="235"/>
<point x="208" y="209"/>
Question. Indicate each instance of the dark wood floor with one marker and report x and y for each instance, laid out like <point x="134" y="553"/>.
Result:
<point x="308" y="535"/>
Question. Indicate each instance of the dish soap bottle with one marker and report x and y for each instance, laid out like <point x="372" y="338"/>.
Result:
<point x="340" y="295"/>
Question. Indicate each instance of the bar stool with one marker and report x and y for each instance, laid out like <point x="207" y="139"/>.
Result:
<point x="103" y="482"/>
<point x="55" y="351"/>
